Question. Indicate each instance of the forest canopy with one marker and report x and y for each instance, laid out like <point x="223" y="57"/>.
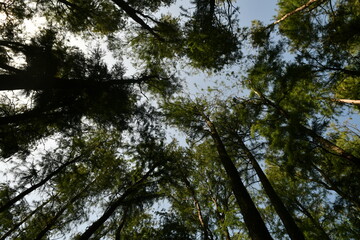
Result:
<point x="101" y="136"/>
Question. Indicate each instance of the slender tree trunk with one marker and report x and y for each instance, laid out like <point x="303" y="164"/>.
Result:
<point x="10" y="68"/>
<point x="301" y="8"/>
<point x="121" y="224"/>
<point x="315" y="222"/>
<point x="39" y="184"/>
<point x="212" y="8"/>
<point x="291" y="227"/>
<point x="114" y="205"/>
<point x="54" y="220"/>
<point x="329" y="146"/>
<point x="331" y="185"/>
<point x="203" y="223"/>
<point x="110" y="210"/>
<point x="17" y="225"/>
<point x="221" y="218"/>
<point x="126" y="8"/>
<point x="254" y="222"/>
<point x="132" y="13"/>
<point x="70" y="5"/>
<point x="324" y="143"/>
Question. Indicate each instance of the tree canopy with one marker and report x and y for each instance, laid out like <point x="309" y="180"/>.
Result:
<point x="101" y="138"/>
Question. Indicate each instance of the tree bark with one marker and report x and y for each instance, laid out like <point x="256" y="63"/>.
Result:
<point x="254" y="222"/>
<point x="291" y="227"/>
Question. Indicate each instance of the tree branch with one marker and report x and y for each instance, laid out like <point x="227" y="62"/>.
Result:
<point x="306" y="5"/>
<point x="133" y="14"/>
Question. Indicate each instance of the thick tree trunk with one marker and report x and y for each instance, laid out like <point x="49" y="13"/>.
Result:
<point x="39" y="184"/>
<point x="24" y="82"/>
<point x="254" y="222"/>
<point x="291" y="227"/>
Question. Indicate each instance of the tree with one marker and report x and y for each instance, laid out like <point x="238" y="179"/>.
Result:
<point x="184" y="116"/>
<point x="237" y="128"/>
<point x="87" y="144"/>
<point x="97" y="177"/>
<point x="67" y="85"/>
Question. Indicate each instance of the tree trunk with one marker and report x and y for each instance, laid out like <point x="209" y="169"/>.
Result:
<point x="221" y="218"/>
<point x="329" y="146"/>
<point x="24" y="82"/>
<point x="29" y="115"/>
<point x="254" y="222"/>
<point x="114" y="205"/>
<point x="316" y="223"/>
<point x="331" y="185"/>
<point x="121" y="224"/>
<point x="292" y="229"/>
<point x="17" y="225"/>
<point x="132" y="14"/>
<point x="203" y="224"/>
<point x="53" y="221"/>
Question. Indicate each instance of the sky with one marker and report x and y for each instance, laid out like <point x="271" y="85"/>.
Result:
<point x="263" y="10"/>
<point x="249" y="10"/>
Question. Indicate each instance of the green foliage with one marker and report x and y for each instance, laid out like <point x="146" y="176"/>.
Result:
<point x="85" y="143"/>
<point x="211" y="47"/>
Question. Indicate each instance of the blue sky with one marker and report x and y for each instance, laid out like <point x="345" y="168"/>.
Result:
<point x="263" y="10"/>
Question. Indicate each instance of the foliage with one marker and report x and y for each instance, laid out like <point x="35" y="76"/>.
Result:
<point x="92" y="151"/>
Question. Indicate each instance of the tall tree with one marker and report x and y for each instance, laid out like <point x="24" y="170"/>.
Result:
<point x="185" y="115"/>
